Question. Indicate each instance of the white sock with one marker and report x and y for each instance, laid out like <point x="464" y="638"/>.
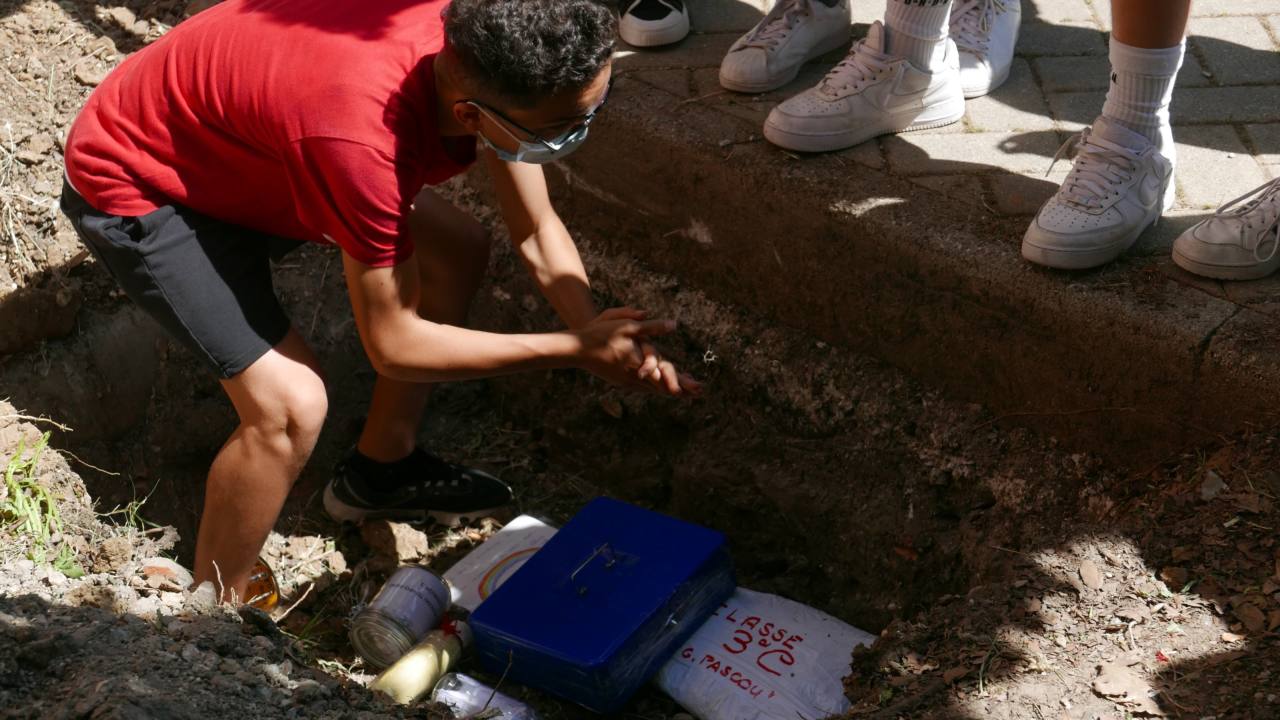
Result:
<point x="917" y="30"/>
<point x="1141" y="88"/>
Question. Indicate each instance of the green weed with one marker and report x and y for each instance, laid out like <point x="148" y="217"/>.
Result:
<point x="31" y="507"/>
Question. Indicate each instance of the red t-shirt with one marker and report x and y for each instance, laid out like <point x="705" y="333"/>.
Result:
<point x="306" y="119"/>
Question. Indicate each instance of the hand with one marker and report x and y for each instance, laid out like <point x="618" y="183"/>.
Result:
<point x="615" y="347"/>
<point x="662" y="375"/>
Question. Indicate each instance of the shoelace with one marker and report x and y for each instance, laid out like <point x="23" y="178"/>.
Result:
<point x="779" y="23"/>
<point x="859" y="68"/>
<point x="972" y="22"/>
<point x="1265" y="194"/>
<point x="1099" y="168"/>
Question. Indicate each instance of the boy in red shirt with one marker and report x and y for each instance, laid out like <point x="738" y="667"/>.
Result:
<point x="259" y="124"/>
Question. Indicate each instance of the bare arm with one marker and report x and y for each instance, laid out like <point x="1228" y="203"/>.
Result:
<point x="545" y="246"/>
<point x="404" y="346"/>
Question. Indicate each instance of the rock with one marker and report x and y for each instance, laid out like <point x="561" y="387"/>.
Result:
<point x="1091" y="575"/>
<point x="163" y="569"/>
<point x="395" y="540"/>
<point x="40" y="143"/>
<point x="258" y="622"/>
<point x="54" y="577"/>
<point x="27" y="157"/>
<point x="147" y="607"/>
<point x="308" y="690"/>
<point x="123" y="16"/>
<point x="92" y="77"/>
<point x="1211" y="485"/>
<point x="114" y="553"/>
<point x="1126" y="687"/>
<point x="203" y="598"/>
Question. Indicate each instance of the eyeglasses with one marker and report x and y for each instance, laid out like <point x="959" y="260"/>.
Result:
<point x="556" y="143"/>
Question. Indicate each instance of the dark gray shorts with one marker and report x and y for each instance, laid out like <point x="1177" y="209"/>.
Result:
<point x="206" y="281"/>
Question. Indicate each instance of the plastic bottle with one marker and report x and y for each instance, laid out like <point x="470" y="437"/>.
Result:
<point x="468" y="697"/>
<point x="418" y="671"/>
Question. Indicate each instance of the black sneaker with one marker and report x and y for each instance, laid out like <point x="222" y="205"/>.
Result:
<point x="431" y="490"/>
<point x="648" y="23"/>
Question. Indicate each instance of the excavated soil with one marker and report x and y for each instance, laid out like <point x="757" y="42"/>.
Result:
<point x="1008" y="578"/>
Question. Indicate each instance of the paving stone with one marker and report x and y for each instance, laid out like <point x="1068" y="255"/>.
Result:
<point x="1102" y="9"/>
<point x="915" y="154"/>
<point x="1038" y="39"/>
<point x="1191" y="105"/>
<point x="1057" y="11"/>
<point x="1237" y="49"/>
<point x="1017" y="105"/>
<point x="866" y="12"/>
<point x="1066" y="74"/>
<point x="675" y="81"/>
<point x="695" y="51"/>
<point x="962" y="188"/>
<point x="1025" y="194"/>
<point x="1211" y="8"/>
<point x="1266" y="142"/>
<point x="868" y="154"/>
<point x="718" y="16"/>
<point x="1208" y="176"/>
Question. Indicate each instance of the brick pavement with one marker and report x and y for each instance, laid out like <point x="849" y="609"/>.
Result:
<point x="1226" y="109"/>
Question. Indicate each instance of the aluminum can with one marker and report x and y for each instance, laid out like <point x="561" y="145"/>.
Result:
<point x="409" y="605"/>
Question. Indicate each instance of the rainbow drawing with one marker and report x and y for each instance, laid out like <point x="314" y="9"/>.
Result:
<point x="502" y="569"/>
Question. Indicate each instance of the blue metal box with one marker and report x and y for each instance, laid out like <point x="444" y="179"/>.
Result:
<point x="596" y="612"/>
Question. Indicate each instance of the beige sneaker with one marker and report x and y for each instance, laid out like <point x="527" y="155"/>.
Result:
<point x="793" y="33"/>
<point x="1119" y="185"/>
<point x="869" y="93"/>
<point x="1240" y="242"/>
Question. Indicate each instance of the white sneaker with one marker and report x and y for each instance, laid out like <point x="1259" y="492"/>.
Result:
<point x="1240" y="242"/>
<point x="1119" y="185"/>
<point x="793" y="33"/>
<point x="869" y="93"/>
<point x="986" y="32"/>
<point x="649" y="23"/>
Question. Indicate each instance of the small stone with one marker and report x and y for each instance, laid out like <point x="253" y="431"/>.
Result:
<point x="26" y="157"/>
<point x="1211" y="485"/>
<point x="113" y="553"/>
<point x="40" y="143"/>
<point x="92" y="77"/>
<point x="123" y="16"/>
<point x="1091" y="576"/>
<point x="164" y="569"/>
<point x="396" y="540"/>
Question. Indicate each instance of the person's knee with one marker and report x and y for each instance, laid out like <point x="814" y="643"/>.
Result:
<point x="289" y="423"/>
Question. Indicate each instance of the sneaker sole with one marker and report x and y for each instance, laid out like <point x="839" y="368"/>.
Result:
<point x="1223" y="272"/>
<point x="1060" y="259"/>
<point x="345" y="513"/>
<point x="977" y="92"/>
<point x="812" y="142"/>
<point x="775" y="83"/>
<point x="655" y="37"/>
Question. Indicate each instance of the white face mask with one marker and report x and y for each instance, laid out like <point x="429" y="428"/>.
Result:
<point x="537" y="150"/>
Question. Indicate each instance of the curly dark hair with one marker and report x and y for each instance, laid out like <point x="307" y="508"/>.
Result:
<point x="524" y="50"/>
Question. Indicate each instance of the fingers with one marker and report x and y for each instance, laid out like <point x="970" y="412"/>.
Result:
<point x="690" y="386"/>
<point x="652" y="328"/>
<point x="669" y="377"/>
<point x="651" y="359"/>
<point x="622" y="313"/>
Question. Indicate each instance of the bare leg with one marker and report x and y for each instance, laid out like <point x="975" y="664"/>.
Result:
<point x="1150" y="23"/>
<point x="452" y="253"/>
<point x="281" y="402"/>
